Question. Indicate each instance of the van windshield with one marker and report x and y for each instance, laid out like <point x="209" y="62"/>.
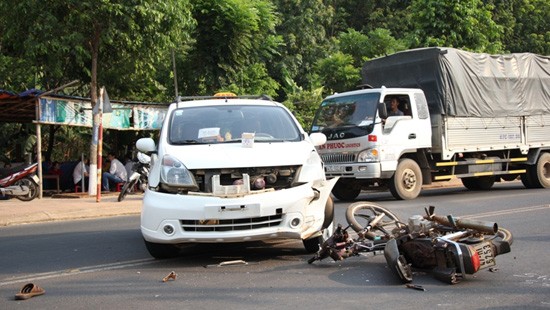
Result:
<point x="346" y="117"/>
<point x="221" y="124"/>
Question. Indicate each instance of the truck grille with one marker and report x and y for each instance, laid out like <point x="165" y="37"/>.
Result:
<point x="232" y="224"/>
<point x="338" y="158"/>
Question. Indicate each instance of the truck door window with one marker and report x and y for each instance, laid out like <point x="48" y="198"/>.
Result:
<point x="398" y="105"/>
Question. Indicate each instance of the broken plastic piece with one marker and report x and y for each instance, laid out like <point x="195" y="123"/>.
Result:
<point x="230" y="263"/>
<point x="415" y="287"/>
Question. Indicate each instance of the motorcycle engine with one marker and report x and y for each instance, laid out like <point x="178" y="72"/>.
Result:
<point x="418" y="224"/>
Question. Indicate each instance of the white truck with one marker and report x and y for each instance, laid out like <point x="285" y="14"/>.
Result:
<point x="478" y="117"/>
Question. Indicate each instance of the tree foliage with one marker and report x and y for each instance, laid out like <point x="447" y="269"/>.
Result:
<point x="454" y="23"/>
<point x="295" y="51"/>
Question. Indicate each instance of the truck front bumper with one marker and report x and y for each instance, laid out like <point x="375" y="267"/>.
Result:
<point x="354" y="170"/>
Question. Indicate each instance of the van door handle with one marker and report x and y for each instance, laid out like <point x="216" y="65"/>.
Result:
<point x="412" y="136"/>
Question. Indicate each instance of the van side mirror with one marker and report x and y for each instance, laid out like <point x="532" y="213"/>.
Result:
<point x="146" y="145"/>
<point x="382" y="110"/>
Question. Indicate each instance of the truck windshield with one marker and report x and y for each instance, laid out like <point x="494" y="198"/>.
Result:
<point x="346" y="117"/>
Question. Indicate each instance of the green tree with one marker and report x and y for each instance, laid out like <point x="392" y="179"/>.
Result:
<point x="303" y="104"/>
<point x="230" y="36"/>
<point x="338" y="73"/>
<point x="526" y="25"/>
<point x="63" y="40"/>
<point x="60" y="41"/>
<point x="304" y="30"/>
<point x="454" y="23"/>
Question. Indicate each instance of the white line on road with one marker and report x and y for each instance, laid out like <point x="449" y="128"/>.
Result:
<point x="76" y="271"/>
<point x="511" y="211"/>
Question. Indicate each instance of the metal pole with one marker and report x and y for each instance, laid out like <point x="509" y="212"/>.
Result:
<point x="100" y="145"/>
<point x="175" y="73"/>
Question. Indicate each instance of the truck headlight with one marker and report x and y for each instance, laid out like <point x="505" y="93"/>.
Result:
<point x="368" y="155"/>
<point x="173" y="173"/>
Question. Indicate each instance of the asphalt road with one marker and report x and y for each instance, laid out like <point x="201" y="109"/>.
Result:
<point x="102" y="263"/>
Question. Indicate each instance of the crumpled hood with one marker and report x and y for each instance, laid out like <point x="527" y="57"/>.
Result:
<point x="234" y="155"/>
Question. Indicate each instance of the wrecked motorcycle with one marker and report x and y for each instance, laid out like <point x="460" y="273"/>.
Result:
<point x="20" y="182"/>
<point x="447" y="246"/>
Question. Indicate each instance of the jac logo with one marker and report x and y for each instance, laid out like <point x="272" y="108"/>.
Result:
<point x="336" y="135"/>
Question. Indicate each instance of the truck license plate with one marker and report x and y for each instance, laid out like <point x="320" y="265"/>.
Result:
<point x="486" y="256"/>
<point x="333" y="168"/>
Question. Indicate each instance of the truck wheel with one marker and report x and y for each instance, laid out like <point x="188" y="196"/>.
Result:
<point x="160" y="251"/>
<point x="527" y="179"/>
<point x="478" y="183"/>
<point x="541" y="171"/>
<point x="346" y="190"/>
<point x="406" y="182"/>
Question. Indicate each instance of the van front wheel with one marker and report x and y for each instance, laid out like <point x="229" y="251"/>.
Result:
<point x="161" y="251"/>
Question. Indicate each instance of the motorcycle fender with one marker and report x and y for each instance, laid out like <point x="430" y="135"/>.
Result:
<point x="134" y="176"/>
<point x="391" y="253"/>
<point x="397" y="262"/>
<point x="35" y="178"/>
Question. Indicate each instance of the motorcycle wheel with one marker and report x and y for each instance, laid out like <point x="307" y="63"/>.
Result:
<point x="126" y="189"/>
<point x="360" y="214"/>
<point x="33" y="189"/>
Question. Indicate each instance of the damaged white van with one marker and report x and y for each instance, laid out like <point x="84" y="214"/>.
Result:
<point x="233" y="169"/>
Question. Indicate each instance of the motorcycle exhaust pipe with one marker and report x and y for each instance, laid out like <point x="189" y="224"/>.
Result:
<point x="482" y="226"/>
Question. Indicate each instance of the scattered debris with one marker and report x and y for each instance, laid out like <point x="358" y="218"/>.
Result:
<point x="230" y="263"/>
<point x="29" y="290"/>
<point x="493" y="269"/>
<point x="415" y="287"/>
<point x="171" y="276"/>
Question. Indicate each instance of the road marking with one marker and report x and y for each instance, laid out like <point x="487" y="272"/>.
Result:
<point x="511" y="211"/>
<point x="77" y="271"/>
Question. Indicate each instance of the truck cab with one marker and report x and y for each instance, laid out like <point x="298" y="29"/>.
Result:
<point x="368" y="143"/>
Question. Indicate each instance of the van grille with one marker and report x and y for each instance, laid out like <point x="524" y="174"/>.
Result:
<point x="338" y="158"/>
<point x="232" y="224"/>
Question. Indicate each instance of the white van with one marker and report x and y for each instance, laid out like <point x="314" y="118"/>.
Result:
<point x="234" y="169"/>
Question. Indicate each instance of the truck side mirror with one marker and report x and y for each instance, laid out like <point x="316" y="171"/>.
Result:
<point x="382" y="110"/>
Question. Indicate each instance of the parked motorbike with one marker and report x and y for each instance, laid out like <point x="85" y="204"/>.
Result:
<point x="449" y="247"/>
<point x="138" y="178"/>
<point x="20" y="182"/>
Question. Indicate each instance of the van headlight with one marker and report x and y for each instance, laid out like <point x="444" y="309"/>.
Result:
<point x="368" y="155"/>
<point x="176" y="176"/>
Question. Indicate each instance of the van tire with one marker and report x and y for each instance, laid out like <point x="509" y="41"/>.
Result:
<point x="346" y="189"/>
<point x="312" y="244"/>
<point x="406" y="182"/>
<point x="162" y="251"/>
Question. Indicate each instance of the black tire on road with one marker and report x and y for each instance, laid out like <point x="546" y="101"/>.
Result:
<point x="360" y="214"/>
<point x="527" y="180"/>
<point x="33" y="189"/>
<point x="346" y="189"/>
<point x="540" y="173"/>
<point x="162" y="251"/>
<point x="126" y="189"/>
<point x="406" y="183"/>
<point x="478" y="183"/>
<point x="503" y="235"/>
<point x="312" y="244"/>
